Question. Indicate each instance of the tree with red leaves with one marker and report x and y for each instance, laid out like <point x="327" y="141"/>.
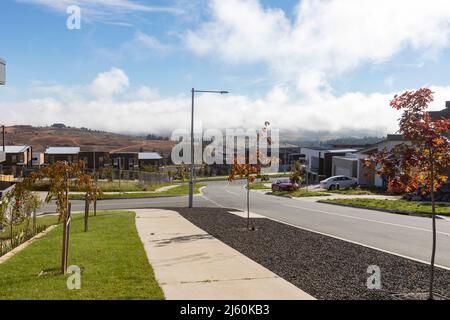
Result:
<point x="245" y="168"/>
<point x="421" y="162"/>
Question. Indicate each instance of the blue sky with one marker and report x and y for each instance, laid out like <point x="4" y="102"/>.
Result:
<point x="288" y="61"/>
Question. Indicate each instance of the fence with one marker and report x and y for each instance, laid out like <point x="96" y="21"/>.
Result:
<point x="109" y="174"/>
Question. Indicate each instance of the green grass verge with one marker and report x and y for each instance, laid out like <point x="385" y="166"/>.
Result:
<point x="302" y="193"/>
<point x="357" y="191"/>
<point x="111" y="256"/>
<point x="394" y="205"/>
<point x="174" y="192"/>
<point x="259" y="186"/>
<point x="112" y="186"/>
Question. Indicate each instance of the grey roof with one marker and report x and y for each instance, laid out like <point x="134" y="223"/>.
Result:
<point x="62" y="150"/>
<point x="149" y="156"/>
<point x="14" y="149"/>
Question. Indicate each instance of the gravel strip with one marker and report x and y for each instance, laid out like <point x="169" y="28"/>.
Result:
<point x="325" y="267"/>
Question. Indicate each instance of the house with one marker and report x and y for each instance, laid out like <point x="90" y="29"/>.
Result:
<point x="95" y="158"/>
<point x="289" y="154"/>
<point x="345" y="166"/>
<point x="55" y="154"/>
<point x="319" y="161"/>
<point x="443" y="114"/>
<point x="149" y="158"/>
<point x="38" y="159"/>
<point x="17" y="156"/>
<point x="125" y="160"/>
<point x="366" y="176"/>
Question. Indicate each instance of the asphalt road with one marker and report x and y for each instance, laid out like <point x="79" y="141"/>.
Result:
<point x="402" y="235"/>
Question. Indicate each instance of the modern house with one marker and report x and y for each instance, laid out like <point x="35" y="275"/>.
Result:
<point x="345" y="165"/>
<point x="319" y="161"/>
<point x="149" y="158"/>
<point x="55" y="154"/>
<point x="365" y="176"/>
<point x="17" y="156"/>
<point x="38" y="159"/>
<point x="443" y="114"/>
<point x="125" y="160"/>
<point x="289" y="154"/>
<point x="95" y="158"/>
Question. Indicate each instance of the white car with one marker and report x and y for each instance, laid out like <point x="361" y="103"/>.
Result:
<point x="338" y="182"/>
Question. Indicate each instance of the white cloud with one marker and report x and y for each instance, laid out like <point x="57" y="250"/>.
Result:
<point x="110" y="11"/>
<point x="325" y="38"/>
<point x="109" y="83"/>
<point x="142" y="109"/>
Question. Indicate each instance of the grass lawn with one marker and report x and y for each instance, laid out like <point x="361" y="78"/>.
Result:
<point x="356" y="191"/>
<point x="113" y="186"/>
<point x="259" y="186"/>
<point x="302" y="193"/>
<point x="398" y="205"/>
<point x="111" y="256"/>
<point x="174" y="192"/>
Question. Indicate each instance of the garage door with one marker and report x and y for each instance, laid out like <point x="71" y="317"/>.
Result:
<point x="343" y="172"/>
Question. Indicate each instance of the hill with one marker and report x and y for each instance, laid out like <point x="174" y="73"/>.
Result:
<point x="59" y="136"/>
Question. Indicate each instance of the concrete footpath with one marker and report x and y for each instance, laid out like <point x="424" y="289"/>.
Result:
<point x="190" y="264"/>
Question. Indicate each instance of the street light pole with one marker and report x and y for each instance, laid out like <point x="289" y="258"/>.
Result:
<point x="191" y="179"/>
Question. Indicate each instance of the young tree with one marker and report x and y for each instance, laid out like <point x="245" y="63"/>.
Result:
<point x="421" y="162"/>
<point x="298" y="173"/>
<point x="61" y="176"/>
<point x="245" y="168"/>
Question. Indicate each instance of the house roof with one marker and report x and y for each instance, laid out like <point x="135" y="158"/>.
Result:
<point x="62" y="150"/>
<point x="390" y="137"/>
<point x="443" y="114"/>
<point x="15" y="149"/>
<point x="149" y="156"/>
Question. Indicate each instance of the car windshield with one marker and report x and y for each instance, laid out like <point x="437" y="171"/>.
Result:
<point x="284" y="181"/>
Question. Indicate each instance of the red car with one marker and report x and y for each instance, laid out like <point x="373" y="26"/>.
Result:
<point x="284" y="185"/>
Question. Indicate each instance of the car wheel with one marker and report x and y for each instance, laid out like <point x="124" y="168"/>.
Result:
<point x="332" y="187"/>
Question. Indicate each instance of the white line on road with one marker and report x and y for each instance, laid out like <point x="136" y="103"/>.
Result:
<point x="365" y="219"/>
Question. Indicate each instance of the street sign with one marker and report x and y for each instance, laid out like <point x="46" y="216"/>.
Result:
<point x="2" y="72"/>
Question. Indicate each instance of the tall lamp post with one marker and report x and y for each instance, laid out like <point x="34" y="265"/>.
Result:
<point x="191" y="180"/>
<point x="2" y="83"/>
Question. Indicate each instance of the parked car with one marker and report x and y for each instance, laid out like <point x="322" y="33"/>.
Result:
<point x="338" y="182"/>
<point x="284" y="185"/>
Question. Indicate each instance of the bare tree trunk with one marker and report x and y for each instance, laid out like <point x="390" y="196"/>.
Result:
<point x="64" y="238"/>
<point x="433" y="216"/>
<point x="34" y="220"/>
<point x="11" y="229"/>
<point x="95" y="207"/>
<point x="86" y="213"/>
<point x="248" y="204"/>
<point x="66" y="257"/>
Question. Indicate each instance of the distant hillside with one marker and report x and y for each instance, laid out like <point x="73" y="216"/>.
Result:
<point x="339" y="141"/>
<point x="59" y="136"/>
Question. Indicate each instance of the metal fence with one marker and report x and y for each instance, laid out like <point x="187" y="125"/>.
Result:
<point x="108" y="174"/>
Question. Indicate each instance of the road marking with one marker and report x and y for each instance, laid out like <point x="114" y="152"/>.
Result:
<point x="212" y="201"/>
<point x="365" y="219"/>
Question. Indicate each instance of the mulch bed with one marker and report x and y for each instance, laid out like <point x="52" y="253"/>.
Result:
<point x="325" y="267"/>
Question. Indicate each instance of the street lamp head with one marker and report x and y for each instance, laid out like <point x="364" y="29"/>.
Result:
<point x="224" y="92"/>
